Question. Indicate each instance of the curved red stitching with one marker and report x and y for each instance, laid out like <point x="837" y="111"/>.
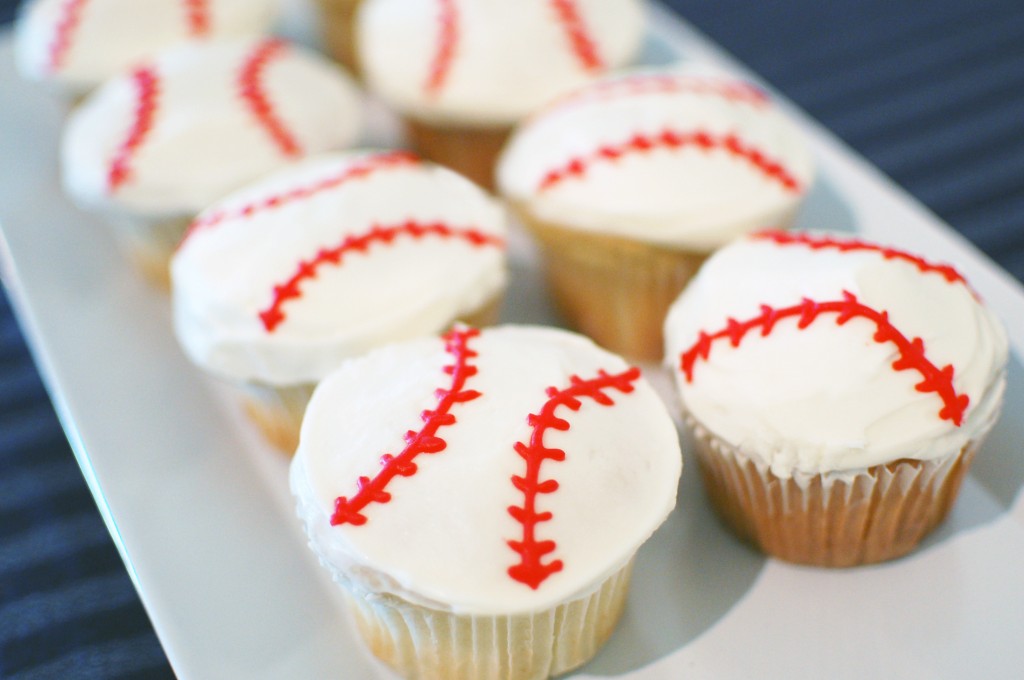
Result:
<point x="64" y="32"/>
<point x="198" y="16"/>
<point x="672" y="139"/>
<point x="360" y="170"/>
<point x="911" y="351"/>
<point x="350" y="510"/>
<point x="447" y="39"/>
<point x="250" y="85"/>
<point x="813" y="242"/>
<point x="273" y="315"/>
<point x="583" y="45"/>
<point x="147" y="87"/>
<point x="530" y="569"/>
<point x="660" y="83"/>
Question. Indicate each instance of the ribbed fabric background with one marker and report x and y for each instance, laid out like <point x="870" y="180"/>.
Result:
<point x="931" y="91"/>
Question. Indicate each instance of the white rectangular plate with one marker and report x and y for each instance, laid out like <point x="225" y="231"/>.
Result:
<point x="200" y="511"/>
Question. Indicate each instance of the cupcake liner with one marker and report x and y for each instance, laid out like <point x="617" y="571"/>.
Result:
<point x="840" y="519"/>
<point x="337" y="23"/>
<point x="470" y="151"/>
<point x="150" y="244"/>
<point x="616" y="290"/>
<point x="278" y="411"/>
<point x="425" y="643"/>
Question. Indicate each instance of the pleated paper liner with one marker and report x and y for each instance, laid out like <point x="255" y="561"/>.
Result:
<point x="149" y="244"/>
<point x="430" y="644"/>
<point x="337" y="27"/>
<point x="470" y="151"/>
<point x="831" y="520"/>
<point x="278" y="411"/>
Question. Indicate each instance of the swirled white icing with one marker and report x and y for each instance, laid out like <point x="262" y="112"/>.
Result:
<point x="210" y="118"/>
<point x="682" y="157"/>
<point x="827" y="397"/>
<point x="81" y="43"/>
<point x="442" y="538"/>
<point x="383" y="288"/>
<point x="492" y="61"/>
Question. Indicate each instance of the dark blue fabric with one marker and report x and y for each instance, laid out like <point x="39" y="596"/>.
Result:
<point x="931" y="91"/>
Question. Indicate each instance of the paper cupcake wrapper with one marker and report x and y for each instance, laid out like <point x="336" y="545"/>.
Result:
<point x="616" y="290"/>
<point x="429" y="644"/>
<point x="832" y="520"/>
<point x="150" y="244"/>
<point x="470" y="151"/>
<point x="337" y="23"/>
<point x="278" y="411"/>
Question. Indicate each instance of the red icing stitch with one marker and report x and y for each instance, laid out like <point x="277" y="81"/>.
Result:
<point x="250" y="84"/>
<point x="912" y="355"/>
<point x="530" y="569"/>
<point x="360" y="170"/>
<point x="64" y="33"/>
<point x="290" y="290"/>
<point x="583" y="45"/>
<point x="672" y="139"/>
<point x="198" y="15"/>
<point x="350" y="510"/>
<point x="813" y="242"/>
<point x="147" y="86"/>
<point x="447" y="39"/>
<point x="660" y="83"/>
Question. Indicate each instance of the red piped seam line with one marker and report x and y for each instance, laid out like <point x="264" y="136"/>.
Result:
<point x="147" y="87"/>
<point x="660" y="83"/>
<point x="531" y="568"/>
<point x="447" y="39"/>
<point x="360" y="170"/>
<point x="197" y="13"/>
<point x="911" y="351"/>
<point x="785" y="238"/>
<point x="350" y="510"/>
<point x="64" y="32"/>
<point x="672" y="139"/>
<point x="250" y="86"/>
<point x="274" y="315"/>
<point x="583" y="45"/>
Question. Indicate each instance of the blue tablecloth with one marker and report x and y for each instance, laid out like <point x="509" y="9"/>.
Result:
<point x="931" y="91"/>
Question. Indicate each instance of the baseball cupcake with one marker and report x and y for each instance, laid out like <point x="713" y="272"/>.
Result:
<point x="837" y="389"/>
<point x="480" y="497"/>
<point x="153" y="147"/>
<point x="74" y="45"/>
<point x="628" y="184"/>
<point x="278" y="283"/>
<point x="463" y="72"/>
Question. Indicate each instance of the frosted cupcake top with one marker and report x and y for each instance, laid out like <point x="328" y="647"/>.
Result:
<point x="490" y="62"/>
<point x="201" y="120"/>
<point x="81" y="43"/>
<point x="815" y="352"/>
<point x="683" y="157"/>
<point x="487" y="473"/>
<point x="282" y="280"/>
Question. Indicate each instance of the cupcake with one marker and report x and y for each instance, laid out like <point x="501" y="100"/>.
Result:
<point x="480" y="497"/>
<point x="277" y="284"/>
<point x="628" y="185"/>
<point x="463" y="72"/>
<point x="837" y="391"/>
<point x="337" y="24"/>
<point x="74" y="45"/>
<point x="153" y="147"/>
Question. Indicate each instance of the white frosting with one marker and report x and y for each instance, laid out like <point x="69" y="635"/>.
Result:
<point x="205" y="138"/>
<point x="441" y="539"/>
<point x="224" y="274"/>
<point x="508" y="58"/>
<point x="826" y="398"/>
<point x="686" y="196"/>
<point x="112" y="35"/>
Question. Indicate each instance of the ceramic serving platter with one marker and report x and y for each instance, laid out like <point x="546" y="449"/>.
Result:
<point x="199" y="507"/>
